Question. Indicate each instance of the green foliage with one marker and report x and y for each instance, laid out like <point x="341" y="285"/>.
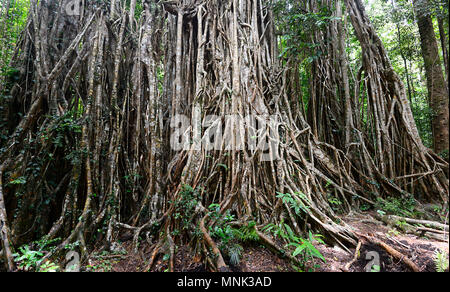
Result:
<point x="441" y="261"/>
<point x="46" y="244"/>
<point x="375" y="269"/>
<point x="381" y="213"/>
<point x="400" y="224"/>
<point x="248" y="233"/>
<point x="335" y="203"/>
<point x="278" y="230"/>
<point x="306" y="247"/>
<point x="393" y="233"/>
<point x="65" y="126"/>
<point x="365" y="207"/>
<point x="396" y="25"/>
<point x="230" y="238"/>
<point x="138" y="9"/>
<point x="185" y="207"/>
<point x="295" y="202"/>
<point x="223" y="165"/>
<point x="403" y="206"/>
<point x="222" y="230"/>
<point x="11" y="27"/>
<point x="103" y="262"/>
<point x="72" y="246"/>
<point x="18" y="181"/>
<point x="297" y="26"/>
<point x="49" y="267"/>
<point x="444" y="154"/>
<point x="303" y="247"/>
<point x="28" y="259"/>
<point x="103" y="266"/>
<point x="225" y="233"/>
<point x="235" y="252"/>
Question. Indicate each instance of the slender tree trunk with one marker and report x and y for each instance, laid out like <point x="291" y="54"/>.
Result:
<point x="443" y="45"/>
<point x="437" y="88"/>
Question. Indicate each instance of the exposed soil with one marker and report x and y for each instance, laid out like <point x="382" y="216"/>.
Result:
<point x="254" y="259"/>
<point x="259" y="259"/>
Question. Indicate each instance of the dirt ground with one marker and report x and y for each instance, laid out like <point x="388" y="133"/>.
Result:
<point x="259" y="259"/>
<point x="254" y="259"/>
<point x="420" y="250"/>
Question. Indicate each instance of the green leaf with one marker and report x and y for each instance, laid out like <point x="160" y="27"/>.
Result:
<point x="299" y="250"/>
<point x="223" y="165"/>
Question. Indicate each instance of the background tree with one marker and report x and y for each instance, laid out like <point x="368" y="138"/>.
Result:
<point x="437" y="86"/>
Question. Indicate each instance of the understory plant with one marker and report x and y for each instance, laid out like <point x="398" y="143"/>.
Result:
<point x="28" y="259"/>
<point x="225" y="234"/>
<point x="441" y="261"/>
<point x="302" y="247"/>
<point x="403" y="206"/>
<point x="230" y="238"/>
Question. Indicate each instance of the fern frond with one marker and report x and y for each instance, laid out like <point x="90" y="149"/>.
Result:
<point x="441" y="261"/>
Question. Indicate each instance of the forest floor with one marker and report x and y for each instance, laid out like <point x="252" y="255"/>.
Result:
<point x="257" y="258"/>
<point x="420" y="250"/>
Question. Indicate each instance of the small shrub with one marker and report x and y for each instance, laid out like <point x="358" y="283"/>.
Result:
<point x="29" y="260"/>
<point x="303" y="247"/>
<point x="398" y="206"/>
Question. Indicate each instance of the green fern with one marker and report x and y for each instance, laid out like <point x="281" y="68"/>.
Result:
<point x="235" y="252"/>
<point x="306" y="247"/>
<point x="247" y="233"/>
<point x="441" y="261"/>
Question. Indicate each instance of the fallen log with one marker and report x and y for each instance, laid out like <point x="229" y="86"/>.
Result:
<point x="433" y="224"/>
<point x="275" y="248"/>
<point x="424" y="230"/>
<point x="433" y="236"/>
<point x="393" y="252"/>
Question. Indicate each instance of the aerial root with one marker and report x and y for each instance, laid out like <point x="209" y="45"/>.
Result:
<point x="153" y="257"/>
<point x="4" y="231"/>
<point x="355" y="258"/>
<point x="171" y="251"/>
<point x="219" y="261"/>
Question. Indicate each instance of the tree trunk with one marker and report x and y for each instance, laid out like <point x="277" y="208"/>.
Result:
<point x="444" y="45"/>
<point x="437" y="87"/>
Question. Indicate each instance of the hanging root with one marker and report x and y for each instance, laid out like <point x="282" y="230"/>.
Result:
<point x="4" y="231"/>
